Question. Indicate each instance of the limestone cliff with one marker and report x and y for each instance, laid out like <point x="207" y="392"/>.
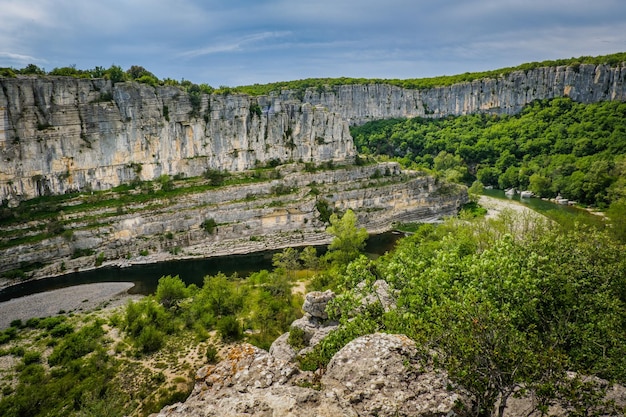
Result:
<point x="507" y="94"/>
<point x="60" y="134"/>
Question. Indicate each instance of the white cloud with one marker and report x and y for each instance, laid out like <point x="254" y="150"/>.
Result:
<point x="232" y="45"/>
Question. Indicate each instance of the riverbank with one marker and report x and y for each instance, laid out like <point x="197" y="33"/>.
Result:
<point x="496" y="206"/>
<point x="76" y="299"/>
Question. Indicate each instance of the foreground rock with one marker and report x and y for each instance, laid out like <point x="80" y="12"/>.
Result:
<point x="374" y="375"/>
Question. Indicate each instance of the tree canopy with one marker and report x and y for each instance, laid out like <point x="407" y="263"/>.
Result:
<point x="552" y="147"/>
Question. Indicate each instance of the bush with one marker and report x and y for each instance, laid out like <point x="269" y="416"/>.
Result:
<point x="77" y="345"/>
<point x="296" y="338"/>
<point x="211" y="354"/>
<point x="61" y="330"/>
<point x="215" y="176"/>
<point x="31" y="357"/>
<point x="229" y="328"/>
<point x="47" y="323"/>
<point x="100" y="259"/>
<point x="150" y="339"/>
<point x="8" y="334"/>
<point x="210" y="225"/>
<point x="170" y="291"/>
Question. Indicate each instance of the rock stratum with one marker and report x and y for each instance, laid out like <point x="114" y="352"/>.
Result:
<point x="60" y="134"/>
<point x="270" y="214"/>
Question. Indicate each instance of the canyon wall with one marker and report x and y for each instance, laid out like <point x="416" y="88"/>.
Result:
<point x="60" y="134"/>
<point x="506" y="94"/>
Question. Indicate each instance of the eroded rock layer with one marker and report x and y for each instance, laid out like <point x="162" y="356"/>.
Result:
<point x="61" y="134"/>
<point x="249" y="217"/>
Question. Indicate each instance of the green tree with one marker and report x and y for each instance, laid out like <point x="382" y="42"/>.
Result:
<point x="540" y="185"/>
<point x="170" y="291"/>
<point x="219" y="295"/>
<point x="287" y="259"/>
<point x="617" y="215"/>
<point x="310" y="259"/>
<point x="348" y="240"/>
<point x="116" y="74"/>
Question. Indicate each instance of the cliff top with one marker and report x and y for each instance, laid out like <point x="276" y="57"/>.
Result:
<point x="140" y="74"/>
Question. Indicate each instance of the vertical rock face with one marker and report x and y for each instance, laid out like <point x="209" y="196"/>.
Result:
<point x="59" y="134"/>
<point x="503" y="95"/>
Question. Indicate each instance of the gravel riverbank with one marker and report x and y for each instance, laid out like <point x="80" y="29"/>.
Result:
<point x="79" y="298"/>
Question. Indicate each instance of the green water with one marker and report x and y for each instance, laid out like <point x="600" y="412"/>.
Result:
<point x="558" y="212"/>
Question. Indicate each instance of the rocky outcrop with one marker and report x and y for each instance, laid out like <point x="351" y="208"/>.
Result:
<point x="374" y="375"/>
<point x="248" y="217"/>
<point x="313" y="327"/>
<point x="315" y="303"/>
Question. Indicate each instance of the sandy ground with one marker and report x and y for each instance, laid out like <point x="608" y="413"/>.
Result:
<point x="79" y="298"/>
<point x="495" y="206"/>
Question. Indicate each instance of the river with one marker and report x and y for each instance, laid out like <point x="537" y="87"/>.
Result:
<point x="549" y="208"/>
<point x="191" y="271"/>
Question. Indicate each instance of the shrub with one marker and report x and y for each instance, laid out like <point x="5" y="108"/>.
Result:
<point x="296" y="338"/>
<point x="229" y="328"/>
<point x="47" y="323"/>
<point x="210" y="225"/>
<point x="7" y="335"/>
<point x="215" y="177"/>
<point x="31" y="357"/>
<point x="100" y="259"/>
<point x="211" y="354"/>
<point x="77" y="345"/>
<point x="256" y="109"/>
<point x="61" y="330"/>
<point x="170" y="291"/>
<point x="281" y="189"/>
<point x="150" y="340"/>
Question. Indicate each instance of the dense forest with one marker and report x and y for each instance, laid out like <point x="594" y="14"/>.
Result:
<point x="553" y="147"/>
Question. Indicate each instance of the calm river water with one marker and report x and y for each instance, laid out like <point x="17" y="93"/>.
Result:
<point x="191" y="271"/>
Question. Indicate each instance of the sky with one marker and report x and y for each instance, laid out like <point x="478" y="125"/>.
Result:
<point x="242" y="42"/>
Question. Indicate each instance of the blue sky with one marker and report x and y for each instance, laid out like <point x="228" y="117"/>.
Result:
<point x="238" y="42"/>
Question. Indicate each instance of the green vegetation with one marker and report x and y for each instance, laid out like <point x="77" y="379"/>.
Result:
<point x="505" y="303"/>
<point x="502" y="309"/>
<point x="552" y="147"/>
<point x="81" y="376"/>
<point x="210" y="226"/>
